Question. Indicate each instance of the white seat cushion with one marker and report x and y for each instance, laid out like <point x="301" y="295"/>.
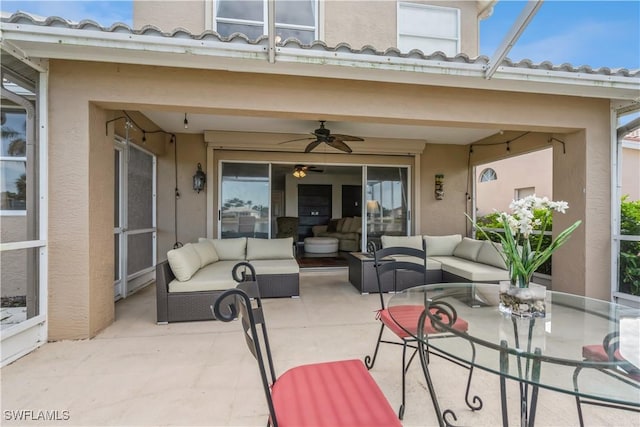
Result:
<point x="216" y="276"/>
<point x="442" y="245"/>
<point x="278" y="266"/>
<point x="471" y="270"/>
<point x="401" y="241"/>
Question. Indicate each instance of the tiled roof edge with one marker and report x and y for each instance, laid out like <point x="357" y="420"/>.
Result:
<point x="153" y="31"/>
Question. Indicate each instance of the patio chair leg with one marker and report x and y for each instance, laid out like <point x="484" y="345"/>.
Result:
<point x="368" y="360"/>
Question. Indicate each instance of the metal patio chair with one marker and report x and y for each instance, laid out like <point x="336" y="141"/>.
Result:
<point x="332" y="394"/>
<point x="406" y="267"/>
<point x="623" y="370"/>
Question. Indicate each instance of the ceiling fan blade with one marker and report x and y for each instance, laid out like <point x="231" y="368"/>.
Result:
<point x="294" y="140"/>
<point x="339" y="145"/>
<point x="346" y="137"/>
<point x="311" y="146"/>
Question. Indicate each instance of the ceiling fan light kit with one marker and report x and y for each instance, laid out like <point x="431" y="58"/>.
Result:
<point x="324" y="135"/>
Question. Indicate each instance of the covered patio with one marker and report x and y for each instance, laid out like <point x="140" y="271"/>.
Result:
<point x="135" y="372"/>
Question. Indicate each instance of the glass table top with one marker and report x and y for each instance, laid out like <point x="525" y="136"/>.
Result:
<point x="555" y="341"/>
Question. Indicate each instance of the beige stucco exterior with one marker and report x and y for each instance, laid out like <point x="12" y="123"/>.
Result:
<point x="81" y="163"/>
<point x="356" y="22"/>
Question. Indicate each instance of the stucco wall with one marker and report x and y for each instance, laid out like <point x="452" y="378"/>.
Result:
<point x="356" y="22"/>
<point x="527" y="170"/>
<point x="81" y="160"/>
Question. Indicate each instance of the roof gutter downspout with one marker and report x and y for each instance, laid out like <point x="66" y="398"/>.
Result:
<point x="271" y="22"/>
<point x="527" y="14"/>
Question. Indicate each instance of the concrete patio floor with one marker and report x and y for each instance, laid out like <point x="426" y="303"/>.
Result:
<point x="137" y="373"/>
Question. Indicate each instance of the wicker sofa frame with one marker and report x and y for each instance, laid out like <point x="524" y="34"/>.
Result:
<point x="193" y="306"/>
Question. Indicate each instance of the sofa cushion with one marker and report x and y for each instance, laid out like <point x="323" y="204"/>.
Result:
<point x="468" y="249"/>
<point x="269" y="248"/>
<point x="280" y="266"/>
<point x="231" y="249"/>
<point x="184" y="262"/>
<point x="403" y="241"/>
<point x="471" y="270"/>
<point x="431" y="263"/>
<point x="206" y="251"/>
<point x="213" y="277"/>
<point x="346" y="225"/>
<point x="489" y="255"/>
<point x="442" y="245"/>
<point x="356" y="225"/>
<point x="340" y="224"/>
<point x="333" y="225"/>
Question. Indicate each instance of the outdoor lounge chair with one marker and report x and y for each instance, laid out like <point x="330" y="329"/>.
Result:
<point x="334" y="394"/>
<point x="608" y="351"/>
<point x="406" y="267"/>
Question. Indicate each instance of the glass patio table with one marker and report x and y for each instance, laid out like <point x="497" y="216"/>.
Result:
<point x="536" y="352"/>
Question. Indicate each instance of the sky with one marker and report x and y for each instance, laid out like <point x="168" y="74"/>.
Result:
<point x="594" y="33"/>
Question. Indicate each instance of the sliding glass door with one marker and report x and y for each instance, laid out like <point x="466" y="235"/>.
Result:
<point x="387" y="205"/>
<point x="244" y="200"/>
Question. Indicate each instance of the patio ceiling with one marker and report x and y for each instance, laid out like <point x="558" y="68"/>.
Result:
<point x="173" y="122"/>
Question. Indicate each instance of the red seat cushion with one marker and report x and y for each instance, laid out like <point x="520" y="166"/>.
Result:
<point x="408" y="315"/>
<point x="331" y="394"/>
<point x="597" y="353"/>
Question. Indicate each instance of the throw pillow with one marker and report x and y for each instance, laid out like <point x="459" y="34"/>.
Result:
<point x="401" y="241"/>
<point x="333" y="226"/>
<point x="489" y="255"/>
<point x="231" y="249"/>
<point x="442" y="245"/>
<point x="269" y="248"/>
<point x="356" y="225"/>
<point x="184" y="262"/>
<point x="346" y="225"/>
<point x="468" y="249"/>
<point x="206" y="251"/>
<point x="340" y="224"/>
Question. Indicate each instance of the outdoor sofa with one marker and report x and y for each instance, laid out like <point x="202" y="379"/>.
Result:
<point x="194" y="275"/>
<point x="452" y="258"/>
<point x="347" y="230"/>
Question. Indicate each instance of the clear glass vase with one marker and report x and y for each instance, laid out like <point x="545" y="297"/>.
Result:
<point x="522" y="301"/>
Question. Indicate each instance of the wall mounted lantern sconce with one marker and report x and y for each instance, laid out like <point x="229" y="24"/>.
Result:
<point x="199" y="179"/>
<point x="186" y="122"/>
<point x="439" y="186"/>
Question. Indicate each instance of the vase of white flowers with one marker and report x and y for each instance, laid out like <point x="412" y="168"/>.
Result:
<point x="523" y="253"/>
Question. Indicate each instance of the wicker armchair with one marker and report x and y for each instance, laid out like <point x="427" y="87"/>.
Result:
<point x="287" y="227"/>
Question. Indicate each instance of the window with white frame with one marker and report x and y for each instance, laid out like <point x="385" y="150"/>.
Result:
<point x="428" y="28"/>
<point x="294" y="18"/>
<point x="521" y="193"/>
<point x="487" y="175"/>
<point x="13" y="162"/>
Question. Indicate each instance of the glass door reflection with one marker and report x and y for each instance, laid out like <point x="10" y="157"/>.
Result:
<point x="386" y="202"/>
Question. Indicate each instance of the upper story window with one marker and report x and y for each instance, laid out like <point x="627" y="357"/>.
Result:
<point x="13" y="161"/>
<point x="294" y="18"/>
<point x="488" y="175"/>
<point x="428" y="28"/>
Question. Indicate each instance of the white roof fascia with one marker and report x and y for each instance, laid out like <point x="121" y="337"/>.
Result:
<point x="87" y="38"/>
<point x="87" y="45"/>
<point x="373" y="62"/>
<point x="569" y="78"/>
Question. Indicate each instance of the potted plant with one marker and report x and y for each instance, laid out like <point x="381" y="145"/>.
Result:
<point x="522" y="250"/>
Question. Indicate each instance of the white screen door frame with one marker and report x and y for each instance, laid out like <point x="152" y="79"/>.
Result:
<point x="134" y="243"/>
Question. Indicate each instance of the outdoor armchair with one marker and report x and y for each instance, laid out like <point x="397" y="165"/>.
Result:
<point x="405" y="267"/>
<point x="331" y="394"/>
<point x="606" y="357"/>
